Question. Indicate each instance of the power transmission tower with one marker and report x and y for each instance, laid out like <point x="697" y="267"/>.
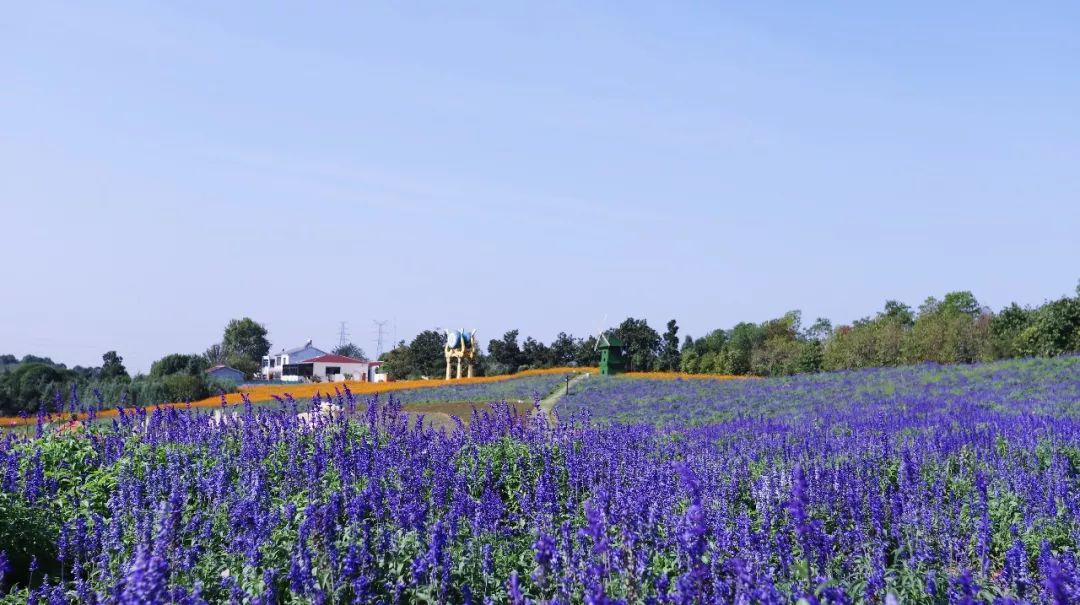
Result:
<point x="380" y="325"/>
<point x="343" y="334"/>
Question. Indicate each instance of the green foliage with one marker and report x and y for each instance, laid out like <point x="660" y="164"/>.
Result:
<point x="178" y="363"/>
<point x="955" y="329"/>
<point x="1005" y="329"/>
<point x="28" y="531"/>
<point x="536" y="354"/>
<point x="246" y="365"/>
<point x="563" y="350"/>
<point x="421" y="357"/>
<point x="669" y="354"/>
<point x="506" y="352"/>
<point x="350" y="350"/>
<point x="112" y="366"/>
<point x="898" y="312"/>
<point x="245" y="340"/>
<point x="962" y="302"/>
<point x="426" y="356"/>
<point x="506" y="357"/>
<point x="396" y="361"/>
<point x="26" y="386"/>
<point x="641" y="344"/>
<point x="184" y="387"/>
<point x="214" y="355"/>
<point x="586" y="354"/>
<point x="689" y="360"/>
<point x="948" y="332"/>
<point x="1054" y="329"/>
<point x="44" y="360"/>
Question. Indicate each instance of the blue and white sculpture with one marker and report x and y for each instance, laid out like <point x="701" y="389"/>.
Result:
<point x="460" y="345"/>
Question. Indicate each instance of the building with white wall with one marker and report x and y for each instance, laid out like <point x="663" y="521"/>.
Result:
<point x="272" y="364"/>
<point x="332" y="368"/>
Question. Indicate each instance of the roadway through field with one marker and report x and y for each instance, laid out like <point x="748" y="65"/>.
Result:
<point x="441" y="414"/>
<point x="548" y="403"/>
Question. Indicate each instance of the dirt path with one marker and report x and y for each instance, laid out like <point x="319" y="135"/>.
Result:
<point x="548" y="403"/>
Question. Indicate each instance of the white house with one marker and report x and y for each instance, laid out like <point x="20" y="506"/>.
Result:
<point x="332" y="368"/>
<point x="272" y="365"/>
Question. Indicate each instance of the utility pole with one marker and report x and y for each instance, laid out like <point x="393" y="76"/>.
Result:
<point x="343" y="334"/>
<point x="380" y="326"/>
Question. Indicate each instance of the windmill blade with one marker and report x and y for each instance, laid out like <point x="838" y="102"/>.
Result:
<point x="599" y="331"/>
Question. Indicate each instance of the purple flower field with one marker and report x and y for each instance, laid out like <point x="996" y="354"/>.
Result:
<point x="912" y="485"/>
<point x="1043" y="386"/>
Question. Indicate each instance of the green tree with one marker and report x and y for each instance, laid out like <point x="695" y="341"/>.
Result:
<point x="112" y="367"/>
<point x="182" y="387"/>
<point x="536" y="354"/>
<point x="563" y="350"/>
<point x="244" y="339"/>
<point x="396" y="362"/>
<point x="898" y="312"/>
<point x="178" y="363"/>
<point x="811" y="357"/>
<point x="777" y="348"/>
<point x="1006" y="328"/>
<point x="247" y="366"/>
<point x="689" y="361"/>
<point x="31" y="385"/>
<point x="738" y="353"/>
<point x="713" y="342"/>
<point x="585" y="353"/>
<point x="215" y="355"/>
<point x="44" y="360"/>
<point x="1054" y="330"/>
<point x="961" y="302"/>
<point x="350" y="350"/>
<point x="946" y="331"/>
<point x="669" y="355"/>
<point x="426" y="357"/>
<point x="506" y="352"/>
<point x="821" y="329"/>
<point x="641" y="344"/>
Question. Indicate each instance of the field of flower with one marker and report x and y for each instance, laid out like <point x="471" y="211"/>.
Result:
<point x="914" y="485"/>
<point x="521" y="386"/>
<point x="525" y="388"/>
<point x="269" y="392"/>
<point x="1022" y="386"/>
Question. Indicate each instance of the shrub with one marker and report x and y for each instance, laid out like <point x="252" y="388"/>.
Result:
<point x="181" y="387"/>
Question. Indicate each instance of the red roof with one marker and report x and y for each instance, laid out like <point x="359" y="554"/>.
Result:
<point x="333" y="359"/>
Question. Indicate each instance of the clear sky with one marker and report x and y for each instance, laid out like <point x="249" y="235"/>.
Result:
<point x="494" y="165"/>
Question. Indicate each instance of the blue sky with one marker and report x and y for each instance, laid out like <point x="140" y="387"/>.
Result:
<point x="167" y="168"/>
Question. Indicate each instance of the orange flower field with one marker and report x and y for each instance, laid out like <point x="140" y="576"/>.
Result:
<point x="262" y="393"/>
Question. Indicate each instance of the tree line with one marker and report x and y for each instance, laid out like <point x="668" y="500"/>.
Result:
<point x="954" y="329"/>
<point x="31" y="382"/>
<point x="646" y="350"/>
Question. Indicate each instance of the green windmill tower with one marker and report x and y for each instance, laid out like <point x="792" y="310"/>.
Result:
<point x="612" y="360"/>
